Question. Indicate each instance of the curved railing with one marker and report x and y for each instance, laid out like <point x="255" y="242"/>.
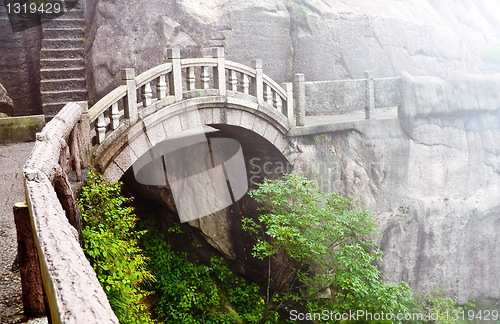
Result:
<point x="181" y="79"/>
<point x="73" y="292"/>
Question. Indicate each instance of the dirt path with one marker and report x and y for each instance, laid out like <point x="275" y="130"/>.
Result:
<point x="12" y="158"/>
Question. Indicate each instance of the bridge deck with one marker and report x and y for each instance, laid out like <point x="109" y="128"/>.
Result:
<point x="385" y="113"/>
<point x="330" y="123"/>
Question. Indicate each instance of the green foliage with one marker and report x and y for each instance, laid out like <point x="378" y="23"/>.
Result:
<point x="111" y="245"/>
<point x="324" y="239"/>
<point x="441" y="309"/>
<point x="192" y="293"/>
<point x="321" y="138"/>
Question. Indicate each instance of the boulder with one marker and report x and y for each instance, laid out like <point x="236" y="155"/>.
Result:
<point x="6" y="103"/>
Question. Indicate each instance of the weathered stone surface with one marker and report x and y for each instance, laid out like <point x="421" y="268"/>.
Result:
<point x="425" y="179"/>
<point x="6" y="103"/>
<point x="20" y="67"/>
<point x="326" y="40"/>
<point x="73" y="291"/>
<point x="433" y="181"/>
<point x="71" y="285"/>
<point x="20" y="129"/>
<point x="335" y="97"/>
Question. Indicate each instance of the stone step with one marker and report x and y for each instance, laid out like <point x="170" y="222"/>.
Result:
<point x="62" y="84"/>
<point x="73" y="13"/>
<point x="63" y="33"/>
<point x="61" y="53"/>
<point x="77" y="6"/>
<point x="50" y="109"/>
<point x="62" y="73"/>
<point x="64" y="95"/>
<point x="61" y="63"/>
<point x="63" y="22"/>
<point x="62" y="43"/>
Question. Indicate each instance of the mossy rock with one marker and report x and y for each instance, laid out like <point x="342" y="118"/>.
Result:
<point x="20" y="129"/>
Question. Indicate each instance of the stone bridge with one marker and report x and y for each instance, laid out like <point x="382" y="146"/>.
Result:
<point x="187" y="93"/>
<point x="130" y="120"/>
<point x="180" y="95"/>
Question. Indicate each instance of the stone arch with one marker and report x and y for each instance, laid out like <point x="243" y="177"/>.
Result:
<point x="116" y="156"/>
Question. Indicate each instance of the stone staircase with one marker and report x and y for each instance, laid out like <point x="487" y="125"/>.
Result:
<point x="62" y="65"/>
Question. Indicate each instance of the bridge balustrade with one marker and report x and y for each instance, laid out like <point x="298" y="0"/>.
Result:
<point x="182" y="79"/>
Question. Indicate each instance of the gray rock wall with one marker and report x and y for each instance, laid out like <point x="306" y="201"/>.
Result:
<point x="347" y="96"/>
<point x="326" y="40"/>
<point x="20" y="67"/>
<point x="433" y="179"/>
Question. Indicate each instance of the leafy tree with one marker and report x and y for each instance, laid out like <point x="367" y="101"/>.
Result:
<point x="316" y="245"/>
<point x="111" y="245"/>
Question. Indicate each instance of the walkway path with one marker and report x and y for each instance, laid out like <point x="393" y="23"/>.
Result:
<point x="379" y="113"/>
<point x="12" y="158"/>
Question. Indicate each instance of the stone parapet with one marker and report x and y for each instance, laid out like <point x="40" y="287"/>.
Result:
<point x="73" y="291"/>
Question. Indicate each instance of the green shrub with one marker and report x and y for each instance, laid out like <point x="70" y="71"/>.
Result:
<point x="314" y="242"/>
<point x="440" y="309"/>
<point x="111" y="245"/>
<point x="192" y="293"/>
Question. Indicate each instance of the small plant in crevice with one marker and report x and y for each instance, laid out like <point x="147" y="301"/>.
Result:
<point x="441" y="309"/>
<point x="111" y="244"/>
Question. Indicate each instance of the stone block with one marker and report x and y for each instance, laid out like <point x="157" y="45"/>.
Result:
<point x="271" y="133"/>
<point x="247" y="120"/>
<point x="218" y="116"/>
<point x="387" y="92"/>
<point x="206" y="116"/>
<point x="335" y="97"/>
<point x="260" y="126"/>
<point x="126" y="158"/>
<point x="190" y="119"/>
<point x="113" y="172"/>
<point x="20" y="129"/>
<point x="281" y="143"/>
<point x="156" y="133"/>
<point x="172" y="126"/>
<point x="140" y="144"/>
<point x="233" y="117"/>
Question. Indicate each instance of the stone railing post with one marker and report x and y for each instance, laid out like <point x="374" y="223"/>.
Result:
<point x="290" y="115"/>
<point x="85" y="134"/>
<point x="175" y="81"/>
<point x="220" y="70"/>
<point x="370" y="95"/>
<point x="299" y="96"/>
<point x="130" y="109"/>
<point x="259" y="81"/>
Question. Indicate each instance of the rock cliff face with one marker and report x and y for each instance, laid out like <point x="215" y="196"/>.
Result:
<point x="325" y="39"/>
<point x="20" y="67"/>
